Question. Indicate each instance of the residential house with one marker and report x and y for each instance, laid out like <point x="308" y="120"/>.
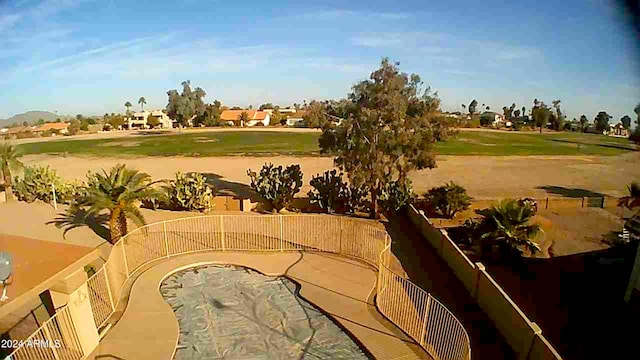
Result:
<point x="255" y="117"/>
<point x="139" y="120"/>
<point x="619" y="131"/>
<point x="16" y="131"/>
<point x="45" y="276"/>
<point x="499" y="120"/>
<point x="61" y="128"/>
<point x="296" y="119"/>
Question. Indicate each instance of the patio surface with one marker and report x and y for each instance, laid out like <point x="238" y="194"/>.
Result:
<point x="341" y="287"/>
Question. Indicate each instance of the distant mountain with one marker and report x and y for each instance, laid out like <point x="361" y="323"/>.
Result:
<point x="31" y="117"/>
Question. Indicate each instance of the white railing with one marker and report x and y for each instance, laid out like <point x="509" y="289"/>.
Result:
<point x="56" y="339"/>
<point x="410" y="308"/>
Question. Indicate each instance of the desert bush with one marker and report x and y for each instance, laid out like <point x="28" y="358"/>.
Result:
<point x="330" y="192"/>
<point x="188" y="192"/>
<point x="448" y="200"/>
<point x="277" y="185"/>
<point x="395" y="195"/>
<point x="36" y="183"/>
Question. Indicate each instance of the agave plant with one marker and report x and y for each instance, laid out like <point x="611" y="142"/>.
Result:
<point x="507" y="226"/>
<point x="119" y="191"/>
<point x="633" y="199"/>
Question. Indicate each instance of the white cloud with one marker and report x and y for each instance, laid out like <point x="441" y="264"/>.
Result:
<point x="342" y="14"/>
<point x="399" y="40"/>
<point x="33" y="14"/>
<point x="516" y="53"/>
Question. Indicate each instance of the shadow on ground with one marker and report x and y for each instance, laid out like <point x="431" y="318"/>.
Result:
<point x="611" y="146"/>
<point x="569" y="192"/>
<point x="74" y="218"/>
<point x="225" y="187"/>
<point x="577" y="300"/>
<point x="427" y="270"/>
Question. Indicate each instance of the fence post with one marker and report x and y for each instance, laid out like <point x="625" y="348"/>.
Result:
<point x="424" y="323"/>
<point x="106" y="279"/>
<point x="479" y="269"/>
<point x="547" y="203"/>
<point x="126" y="264"/>
<point x="281" y="234"/>
<point x="166" y="241"/>
<point x="536" y="333"/>
<point x="583" y="201"/>
<point x="222" y="232"/>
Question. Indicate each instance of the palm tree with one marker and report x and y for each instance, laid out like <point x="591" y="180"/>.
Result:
<point x="9" y="162"/>
<point x="119" y="191"/>
<point x="506" y="226"/>
<point x="633" y="199"/>
<point x="244" y="117"/>
<point x="128" y="106"/>
<point x="142" y="101"/>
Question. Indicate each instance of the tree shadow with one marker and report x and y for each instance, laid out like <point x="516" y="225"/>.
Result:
<point x="75" y="217"/>
<point x="570" y="192"/>
<point x="612" y="146"/>
<point x="230" y="188"/>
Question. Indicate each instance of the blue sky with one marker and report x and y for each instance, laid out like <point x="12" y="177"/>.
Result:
<point x="91" y="56"/>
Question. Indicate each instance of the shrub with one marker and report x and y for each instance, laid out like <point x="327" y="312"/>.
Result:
<point x="330" y="192"/>
<point x="448" y="200"/>
<point x="189" y="192"/>
<point x="395" y="195"/>
<point x="507" y="228"/>
<point x="36" y="185"/>
<point x="277" y="185"/>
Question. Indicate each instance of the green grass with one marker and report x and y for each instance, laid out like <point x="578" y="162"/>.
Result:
<point x="503" y="143"/>
<point x="270" y="143"/>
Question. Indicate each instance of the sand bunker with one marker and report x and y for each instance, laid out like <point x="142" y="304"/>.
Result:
<point x="235" y="313"/>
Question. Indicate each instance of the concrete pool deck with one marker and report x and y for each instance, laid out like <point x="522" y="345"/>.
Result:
<point x="148" y="329"/>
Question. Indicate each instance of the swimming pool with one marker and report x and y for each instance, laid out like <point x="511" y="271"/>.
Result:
<point x="230" y="312"/>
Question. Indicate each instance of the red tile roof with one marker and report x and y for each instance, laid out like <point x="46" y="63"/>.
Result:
<point x="234" y="115"/>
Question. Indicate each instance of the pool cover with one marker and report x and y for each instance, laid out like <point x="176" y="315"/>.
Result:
<point x="229" y="312"/>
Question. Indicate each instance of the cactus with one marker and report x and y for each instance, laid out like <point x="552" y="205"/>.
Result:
<point x="395" y="195"/>
<point x="330" y="192"/>
<point x="190" y="192"/>
<point x="36" y="185"/>
<point x="276" y="185"/>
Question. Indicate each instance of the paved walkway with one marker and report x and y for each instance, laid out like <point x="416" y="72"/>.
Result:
<point x="148" y="328"/>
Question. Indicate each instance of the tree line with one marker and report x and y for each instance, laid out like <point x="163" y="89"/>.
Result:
<point x="542" y="116"/>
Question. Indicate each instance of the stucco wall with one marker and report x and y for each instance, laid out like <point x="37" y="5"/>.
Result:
<point x="523" y="335"/>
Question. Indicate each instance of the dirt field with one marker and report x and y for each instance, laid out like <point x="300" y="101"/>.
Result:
<point x="483" y="176"/>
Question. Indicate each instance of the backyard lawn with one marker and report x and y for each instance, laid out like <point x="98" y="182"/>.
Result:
<point x="298" y="143"/>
